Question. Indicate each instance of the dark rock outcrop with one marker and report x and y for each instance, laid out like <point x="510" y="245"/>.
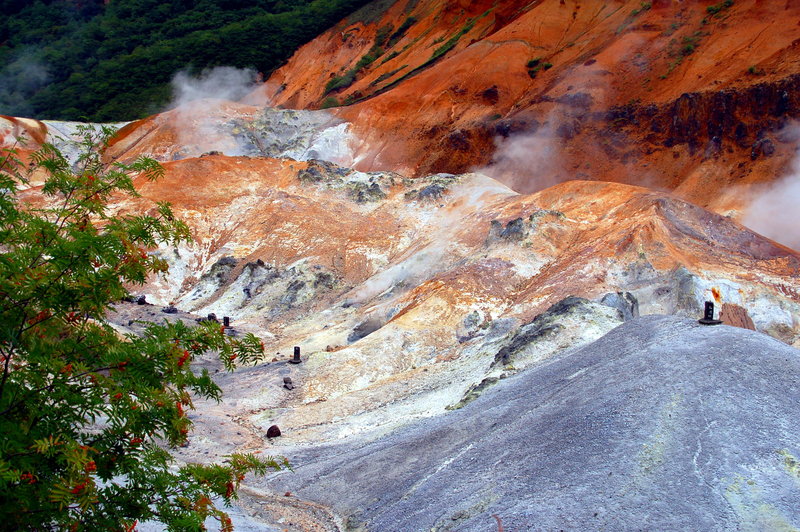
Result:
<point x="545" y="324"/>
<point x="625" y="302"/>
<point x="736" y="116"/>
<point x="363" y="329"/>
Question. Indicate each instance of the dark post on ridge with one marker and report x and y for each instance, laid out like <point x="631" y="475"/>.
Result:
<point x="226" y="321"/>
<point x="708" y="315"/>
<point x="296" y="359"/>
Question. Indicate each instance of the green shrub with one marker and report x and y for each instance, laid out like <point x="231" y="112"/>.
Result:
<point x="450" y="44"/>
<point x="535" y="65"/>
<point x="690" y="43"/>
<point x="340" y="82"/>
<point x="387" y="75"/>
<point x="645" y="6"/>
<point x="349" y="77"/>
<point x="397" y="35"/>
<point x="88" y="417"/>
<point x="329" y="102"/>
<point x="718" y="8"/>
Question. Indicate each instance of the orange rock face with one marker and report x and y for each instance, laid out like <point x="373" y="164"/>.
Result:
<point x="21" y="134"/>
<point x="672" y="96"/>
<point x="435" y="247"/>
<point x="736" y="316"/>
<point x="402" y="292"/>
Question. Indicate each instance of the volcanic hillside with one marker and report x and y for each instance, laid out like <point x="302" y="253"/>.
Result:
<point x="671" y="94"/>
<point x="694" y="97"/>
<point x="478" y="337"/>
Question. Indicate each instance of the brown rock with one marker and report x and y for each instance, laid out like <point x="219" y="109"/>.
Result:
<point x="736" y="316"/>
<point x="273" y="432"/>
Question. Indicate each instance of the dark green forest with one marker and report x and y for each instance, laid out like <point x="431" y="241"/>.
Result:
<point x="110" y="61"/>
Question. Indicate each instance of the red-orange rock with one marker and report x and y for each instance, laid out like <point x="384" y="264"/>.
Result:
<point x="736" y="316"/>
<point x="604" y="111"/>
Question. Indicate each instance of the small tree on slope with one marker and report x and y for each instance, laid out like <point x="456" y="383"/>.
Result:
<point x="87" y="416"/>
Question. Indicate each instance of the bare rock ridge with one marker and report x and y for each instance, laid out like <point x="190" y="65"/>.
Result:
<point x="660" y="424"/>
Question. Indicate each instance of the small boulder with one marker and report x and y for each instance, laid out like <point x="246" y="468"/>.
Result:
<point x="287" y="383"/>
<point x="736" y="316"/>
<point x="273" y="432"/>
<point x="433" y="191"/>
<point x="625" y="302"/>
<point x="364" y="329"/>
<point x="169" y="310"/>
<point x="514" y="230"/>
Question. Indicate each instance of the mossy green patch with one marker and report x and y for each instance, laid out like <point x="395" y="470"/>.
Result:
<point x="474" y="392"/>
<point x="651" y="457"/>
<point x="755" y="514"/>
<point x="791" y="463"/>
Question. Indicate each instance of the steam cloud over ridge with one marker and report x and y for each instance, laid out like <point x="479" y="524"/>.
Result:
<point x="222" y="83"/>
<point x="774" y="212"/>
<point x="19" y="80"/>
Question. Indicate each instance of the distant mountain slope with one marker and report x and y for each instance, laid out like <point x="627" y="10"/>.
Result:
<point x="669" y="94"/>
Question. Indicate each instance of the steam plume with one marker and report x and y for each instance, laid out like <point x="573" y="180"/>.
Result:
<point x="208" y="110"/>
<point x="198" y="105"/>
<point x="527" y="162"/>
<point x="19" y="80"/>
<point x="220" y="83"/>
<point x="442" y="228"/>
<point x="774" y="212"/>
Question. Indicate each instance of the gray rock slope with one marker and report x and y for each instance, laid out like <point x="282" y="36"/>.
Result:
<point x="662" y="424"/>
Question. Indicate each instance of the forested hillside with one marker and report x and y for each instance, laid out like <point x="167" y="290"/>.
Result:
<point x="105" y="61"/>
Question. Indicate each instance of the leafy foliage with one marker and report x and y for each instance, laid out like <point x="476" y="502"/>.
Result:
<point x="401" y="31"/>
<point x="452" y="41"/>
<point x="87" y="415"/>
<point x="536" y="64"/>
<point x="344" y="81"/>
<point x="718" y="8"/>
<point x="110" y="61"/>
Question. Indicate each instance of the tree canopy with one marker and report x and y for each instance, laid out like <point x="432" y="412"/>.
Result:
<point x="97" y="61"/>
<point x="88" y="415"/>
